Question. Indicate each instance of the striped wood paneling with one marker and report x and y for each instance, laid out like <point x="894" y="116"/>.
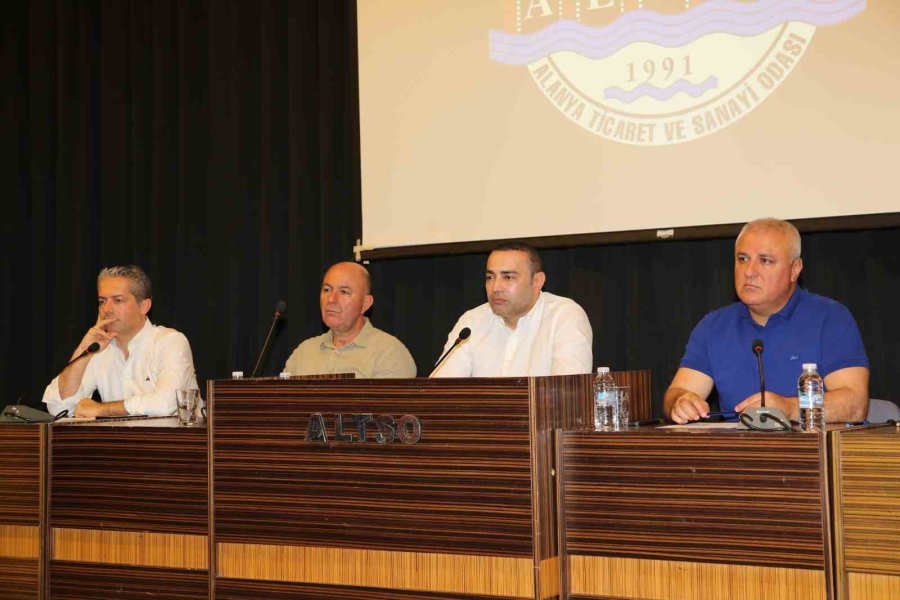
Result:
<point x="867" y="512"/>
<point x="605" y="577"/>
<point x="557" y="404"/>
<point x="20" y="541"/>
<point x="20" y="474"/>
<point x="464" y="488"/>
<point x="639" y="383"/>
<point x="726" y="497"/>
<point x="148" y="475"/>
<point x="131" y="548"/>
<point x="446" y="573"/>
<point x="80" y="581"/>
<point x="19" y="579"/>
<point x="868" y="586"/>
<point x="234" y="589"/>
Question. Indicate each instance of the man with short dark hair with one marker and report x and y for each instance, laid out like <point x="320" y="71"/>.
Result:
<point x="351" y="344"/>
<point x="795" y="327"/>
<point x="139" y="365"/>
<point x="521" y="330"/>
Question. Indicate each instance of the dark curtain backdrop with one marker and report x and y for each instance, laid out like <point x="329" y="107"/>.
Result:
<point x="216" y="144"/>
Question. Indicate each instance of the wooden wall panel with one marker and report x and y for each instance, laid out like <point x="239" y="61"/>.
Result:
<point x="141" y="475"/>
<point x="465" y="487"/>
<point x="728" y="497"/>
<point x="641" y="392"/>
<point x="867" y="511"/>
<point x="20" y="474"/>
<point x="243" y="590"/>
<point x="605" y="577"/>
<point x="19" y="578"/>
<point x="82" y="581"/>
<point x="21" y="510"/>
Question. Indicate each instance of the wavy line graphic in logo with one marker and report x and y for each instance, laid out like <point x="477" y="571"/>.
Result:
<point x="659" y="72"/>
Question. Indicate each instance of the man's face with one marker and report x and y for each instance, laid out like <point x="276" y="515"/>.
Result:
<point x="118" y="303"/>
<point x="344" y="297"/>
<point x="511" y="287"/>
<point x="764" y="274"/>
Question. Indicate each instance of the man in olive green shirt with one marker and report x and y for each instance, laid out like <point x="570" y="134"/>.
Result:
<point x="351" y="344"/>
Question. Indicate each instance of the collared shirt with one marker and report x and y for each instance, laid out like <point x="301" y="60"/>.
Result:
<point x="808" y="329"/>
<point x="553" y="338"/>
<point x="373" y="354"/>
<point x="159" y="362"/>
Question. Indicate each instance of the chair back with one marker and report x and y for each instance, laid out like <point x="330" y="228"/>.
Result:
<point x="880" y="411"/>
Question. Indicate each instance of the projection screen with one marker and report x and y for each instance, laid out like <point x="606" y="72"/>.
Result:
<point x="493" y="119"/>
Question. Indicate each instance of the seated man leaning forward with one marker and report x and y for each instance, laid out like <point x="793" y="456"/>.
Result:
<point x="795" y="327"/>
<point x="139" y="365"/>
<point x="351" y="344"/>
<point x="520" y="330"/>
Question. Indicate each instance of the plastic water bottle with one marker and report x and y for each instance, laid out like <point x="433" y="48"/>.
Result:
<point x="605" y="413"/>
<point x="811" y="391"/>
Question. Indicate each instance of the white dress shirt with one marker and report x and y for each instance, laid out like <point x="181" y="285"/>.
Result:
<point x="553" y="338"/>
<point x="159" y="362"/>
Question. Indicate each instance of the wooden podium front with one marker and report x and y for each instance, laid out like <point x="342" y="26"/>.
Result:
<point x="438" y="489"/>
<point x="677" y="514"/>
<point x="866" y="477"/>
<point x="22" y="466"/>
<point x="128" y="510"/>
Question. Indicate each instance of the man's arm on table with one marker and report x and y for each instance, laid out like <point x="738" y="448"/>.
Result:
<point x="685" y="400"/>
<point x="846" y="400"/>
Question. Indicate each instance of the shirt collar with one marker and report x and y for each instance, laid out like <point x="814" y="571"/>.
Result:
<point x="361" y="340"/>
<point x="533" y="314"/>
<point x="786" y="312"/>
<point x="138" y="338"/>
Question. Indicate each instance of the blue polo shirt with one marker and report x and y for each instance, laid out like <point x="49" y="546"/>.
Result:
<point x="810" y="328"/>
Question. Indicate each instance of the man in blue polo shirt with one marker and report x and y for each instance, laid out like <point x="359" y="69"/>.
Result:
<point x="795" y="326"/>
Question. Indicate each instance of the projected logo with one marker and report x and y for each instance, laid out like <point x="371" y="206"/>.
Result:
<point x="658" y="72"/>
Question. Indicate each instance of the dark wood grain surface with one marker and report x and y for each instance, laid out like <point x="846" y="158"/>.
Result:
<point x="729" y="497"/>
<point x="83" y="581"/>
<point x="143" y="476"/>
<point x="465" y="486"/>
<point x="20" y="474"/>
<point x="19" y="579"/>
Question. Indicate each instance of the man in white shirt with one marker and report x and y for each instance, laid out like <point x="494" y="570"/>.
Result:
<point x="138" y="366"/>
<point x="520" y="330"/>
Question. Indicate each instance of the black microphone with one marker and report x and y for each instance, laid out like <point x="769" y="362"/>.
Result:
<point x="761" y="418"/>
<point x="280" y="307"/>
<point x="464" y="334"/>
<point x="89" y="350"/>
<point x="19" y="413"/>
<point x="758" y="350"/>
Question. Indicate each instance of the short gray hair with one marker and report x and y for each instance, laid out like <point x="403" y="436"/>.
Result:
<point x="139" y="281"/>
<point x="772" y="224"/>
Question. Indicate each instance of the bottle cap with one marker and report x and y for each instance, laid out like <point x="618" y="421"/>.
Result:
<point x="237" y="374"/>
<point x="603" y="370"/>
<point x="284" y="375"/>
<point x="809" y="366"/>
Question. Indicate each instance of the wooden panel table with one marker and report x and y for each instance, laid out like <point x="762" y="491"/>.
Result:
<point x="670" y="514"/>
<point x="128" y="510"/>
<point x="21" y="510"/>
<point x="866" y="477"/>
<point x="413" y="489"/>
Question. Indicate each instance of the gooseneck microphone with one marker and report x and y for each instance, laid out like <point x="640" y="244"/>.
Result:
<point x="464" y="334"/>
<point x="758" y="350"/>
<point x="89" y="350"/>
<point x="17" y="413"/>
<point x="762" y="418"/>
<point x="280" y="307"/>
